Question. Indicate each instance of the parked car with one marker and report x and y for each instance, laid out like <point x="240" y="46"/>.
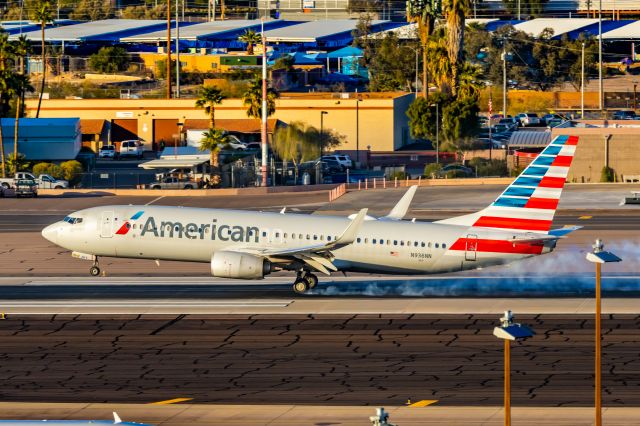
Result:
<point x="107" y="151"/>
<point x="131" y="148"/>
<point x="555" y="122"/>
<point x="332" y="165"/>
<point x="172" y="183"/>
<point x="455" y="170"/>
<point x="26" y="188"/>
<point x="528" y="119"/>
<point x="624" y="115"/>
<point x="548" y="117"/>
<point x="343" y="160"/>
<point x="43" y="181"/>
<point x="502" y="129"/>
<point x="510" y="122"/>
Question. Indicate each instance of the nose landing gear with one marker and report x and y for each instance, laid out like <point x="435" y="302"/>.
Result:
<point x="94" y="271"/>
<point x="304" y="281"/>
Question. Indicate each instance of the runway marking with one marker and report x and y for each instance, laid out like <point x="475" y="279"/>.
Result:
<point x="153" y="201"/>
<point x="423" y="403"/>
<point x="171" y="401"/>
<point x="585" y="217"/>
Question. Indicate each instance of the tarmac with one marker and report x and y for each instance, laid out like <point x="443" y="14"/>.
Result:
<point x="320" y="415"/>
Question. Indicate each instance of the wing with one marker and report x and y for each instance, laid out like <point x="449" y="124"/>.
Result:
<point x="317" y="256"/>
<point x="400" y="210"/>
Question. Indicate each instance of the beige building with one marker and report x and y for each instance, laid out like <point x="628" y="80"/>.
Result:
<point x="380" y="117"/>
<point x="611" y="143"/>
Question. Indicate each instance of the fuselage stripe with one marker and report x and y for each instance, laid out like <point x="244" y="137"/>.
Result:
<point x="497" y="246"/>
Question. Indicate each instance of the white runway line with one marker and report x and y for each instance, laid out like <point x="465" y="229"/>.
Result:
<point x="153" y="201"/>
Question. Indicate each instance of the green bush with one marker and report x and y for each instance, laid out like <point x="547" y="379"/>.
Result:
<point x="48" y="169"/>
<point x="431" y="170"/>
<point x="485" y="167"/>
<point x="72" y="171"/>
<point x="400" y="175"/>
<point x="607" y="174"/>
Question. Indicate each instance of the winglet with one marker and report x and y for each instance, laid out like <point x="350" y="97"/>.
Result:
<point x="116" y="419"/>
<point x="350" y="233"/>
<point x="400" y="210"/>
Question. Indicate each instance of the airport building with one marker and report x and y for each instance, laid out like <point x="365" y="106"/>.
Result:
<point x="373" y="122"/>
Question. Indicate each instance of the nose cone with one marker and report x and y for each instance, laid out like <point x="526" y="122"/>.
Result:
<point x="51" y="233"/>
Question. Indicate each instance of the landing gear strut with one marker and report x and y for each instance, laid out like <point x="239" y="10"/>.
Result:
<point x="94" y="271"/>
<point x="304" y="281"/>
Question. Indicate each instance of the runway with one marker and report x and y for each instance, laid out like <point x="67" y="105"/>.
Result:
<point x="313" y="359"/>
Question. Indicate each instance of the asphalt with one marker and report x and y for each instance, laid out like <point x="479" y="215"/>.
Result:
<point x="313" y="359"/>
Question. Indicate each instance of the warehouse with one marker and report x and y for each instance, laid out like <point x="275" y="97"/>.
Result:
<point x="51" y="139"/>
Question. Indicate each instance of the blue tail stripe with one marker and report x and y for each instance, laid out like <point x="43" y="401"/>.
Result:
<point x="535" y="171"/>
<point x="510" y="202"/>
<point x="516" y="191"/>
<point x="553" y="150"/>
<point x="527" y="181"/>
<point x="543" y="161"/>
<point x="560" y="140"/>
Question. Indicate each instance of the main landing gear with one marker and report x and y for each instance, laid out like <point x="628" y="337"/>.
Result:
<point x="304" y="281"/>
<point x="94" y="271"/>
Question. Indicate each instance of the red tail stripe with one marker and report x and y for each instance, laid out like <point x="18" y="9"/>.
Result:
<point x="551" y="182"/>
<point x="542" y="203"/>
<point x="572" y="140"/>
<point x="562" y="161"/>
<point x="497" y="246"/>
<point x="513" y="223"/>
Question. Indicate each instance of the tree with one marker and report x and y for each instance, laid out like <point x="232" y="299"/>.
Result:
<point x="72" y="171"/>
<point x="208" y="99"/>
<point x="7" y="87"/>
<point x="252" y="99"/>
<point x="460" y="124"/>
<point x="527" y="7"/>
<point x="213" y="140"/>
<point x="455" y="11"/>
<point x="250" y="37"/>
<point x="42" y="13"/>
<point x="92" y="10"/>
<point x="109" y="60"/>
<point x="424" y="13"/>
<point x="299" y="142"/>
<point x="422" y="115"/>
<point x="393" y="66"/>
<point x="22" y="48"/>
<point x="18" y="165"/>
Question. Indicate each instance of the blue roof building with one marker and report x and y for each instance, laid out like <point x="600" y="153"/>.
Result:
<point x="53" y="139"/>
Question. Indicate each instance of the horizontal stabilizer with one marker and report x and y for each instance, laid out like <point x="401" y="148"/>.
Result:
<point x="564" y="231"/>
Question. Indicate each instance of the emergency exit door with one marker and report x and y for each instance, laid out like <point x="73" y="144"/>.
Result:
<point x="106" y="225"/>
<point x="471" y="248"/>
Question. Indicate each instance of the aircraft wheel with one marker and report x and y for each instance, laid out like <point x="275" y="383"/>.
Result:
<point x="300" y="286"/>
<point x="312" y="280"/>
<point x="94" y="271"/>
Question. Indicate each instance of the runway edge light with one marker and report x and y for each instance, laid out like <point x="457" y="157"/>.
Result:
<point x="598" y="255"/>
<point x="509" y="330"/>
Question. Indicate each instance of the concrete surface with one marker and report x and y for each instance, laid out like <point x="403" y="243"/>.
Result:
<point x="315" y="415"/>
<point x="332" y="359"/>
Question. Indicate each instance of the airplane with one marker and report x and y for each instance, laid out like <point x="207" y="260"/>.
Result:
<point x="250" y="245"/>
<point x="116" y="421"/>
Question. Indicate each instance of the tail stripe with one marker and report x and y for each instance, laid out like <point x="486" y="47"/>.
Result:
<point x="552" y="182"/>
<point x="514" y="223"/>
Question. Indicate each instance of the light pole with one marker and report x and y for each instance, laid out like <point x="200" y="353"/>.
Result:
<point x="635" y="103"/>
<point x="582" y="87"/>
<point x="322" y="114"/>
<point x="509" y="331"/>
<point x="263" y="124"/>
<point x="177" y="51"/>
<point x="599" y="256"/>
<point x="601" y="91"/>
<point x="358" y="100"/>
<point x="504" y="83"/>
<point x="437" y="105"/>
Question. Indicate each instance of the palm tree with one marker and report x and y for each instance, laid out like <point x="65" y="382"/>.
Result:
<point x="424" y="13"/>
<point x="250" y="37"/>
<point x="209" y="98"/>
<point x="213" y="140"/>
<point x="455" y="11"/>
<point x="252" y="99"/>
<point x="42" y="13"/>
<point x="22" y="48"/>
<point x="223" y="8"/>
<point x="6" y="86"/>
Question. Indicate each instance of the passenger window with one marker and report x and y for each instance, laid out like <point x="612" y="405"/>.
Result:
<point x="388" y="242"/>
<point x="358" y="240"/>
<point x="415" y="244"/>
<point x="422" y="244"/>
<point x="366" y="240"/>
<point x="264" y="234"/>
<point x="299" y="236"/>
<point x="373" y="241"/>
<point x="381" y="241"/>
<point x="429" y="244"/>
<point x="277" y="235"/>
<point x="444" y="246"/>
<point x="293" y="236"/>
<point x="329" y="238"/>
<point x="395" y="242"/>
<point x="285" y="235"/>
<point x="437" y="245"/>
<point x="402" y="243"/>
<point x="308" y="237"/>
<point x="315" y="237"/>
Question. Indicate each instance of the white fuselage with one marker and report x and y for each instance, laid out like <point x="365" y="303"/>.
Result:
<point x="194" y="234"/>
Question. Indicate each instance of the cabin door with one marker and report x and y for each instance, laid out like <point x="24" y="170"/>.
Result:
<point x="471" y="248"/>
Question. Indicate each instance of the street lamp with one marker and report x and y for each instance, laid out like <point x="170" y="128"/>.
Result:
<point x="635" y="86"/>
<point x="358" y="100"/>
<point x="322" y="114"/>
<point x="599" y="256"/>
<point x="509" y="331"/>
<point x="437" y="105"/>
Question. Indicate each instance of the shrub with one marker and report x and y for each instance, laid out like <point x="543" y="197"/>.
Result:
<point x="400" y="175"/>
<point x="48" y="169"/>
<point x="485" y="167"/>
<point x="72" y="171"/>
<point x="431" y="170"/>
<point x="607" y="174"/>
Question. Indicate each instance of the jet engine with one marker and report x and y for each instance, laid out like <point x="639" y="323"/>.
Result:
<point x="232" y="264"/>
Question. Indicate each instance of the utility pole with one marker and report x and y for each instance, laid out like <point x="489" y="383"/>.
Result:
<point x="263" y="128"/>
<point x="437" y="133"/>
<point x="582" y="87"/>
<point x="518" y="10"/>
<point x="504" y="83"/>
<point x="168" y="67"/>
<point x="601" y="97"/>
<point x="177" y="50"/>
<point x="416" y="74"/>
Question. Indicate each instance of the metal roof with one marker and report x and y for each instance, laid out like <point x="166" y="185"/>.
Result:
<point x="203" y="30"/>
<point x="312" y="31"/>
<point x="529" y="138"/>
<point x="558" y="25"/>
<point x="105" y="30"/>
<point x="630" y="31"/>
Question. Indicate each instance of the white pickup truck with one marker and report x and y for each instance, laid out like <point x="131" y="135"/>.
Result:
<point x="43" y="181"/>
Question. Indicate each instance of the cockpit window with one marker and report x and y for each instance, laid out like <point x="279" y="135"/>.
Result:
<point x="72" y="220"/>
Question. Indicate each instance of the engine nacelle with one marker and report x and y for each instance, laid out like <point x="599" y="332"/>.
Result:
<point x="232" y="264"/>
